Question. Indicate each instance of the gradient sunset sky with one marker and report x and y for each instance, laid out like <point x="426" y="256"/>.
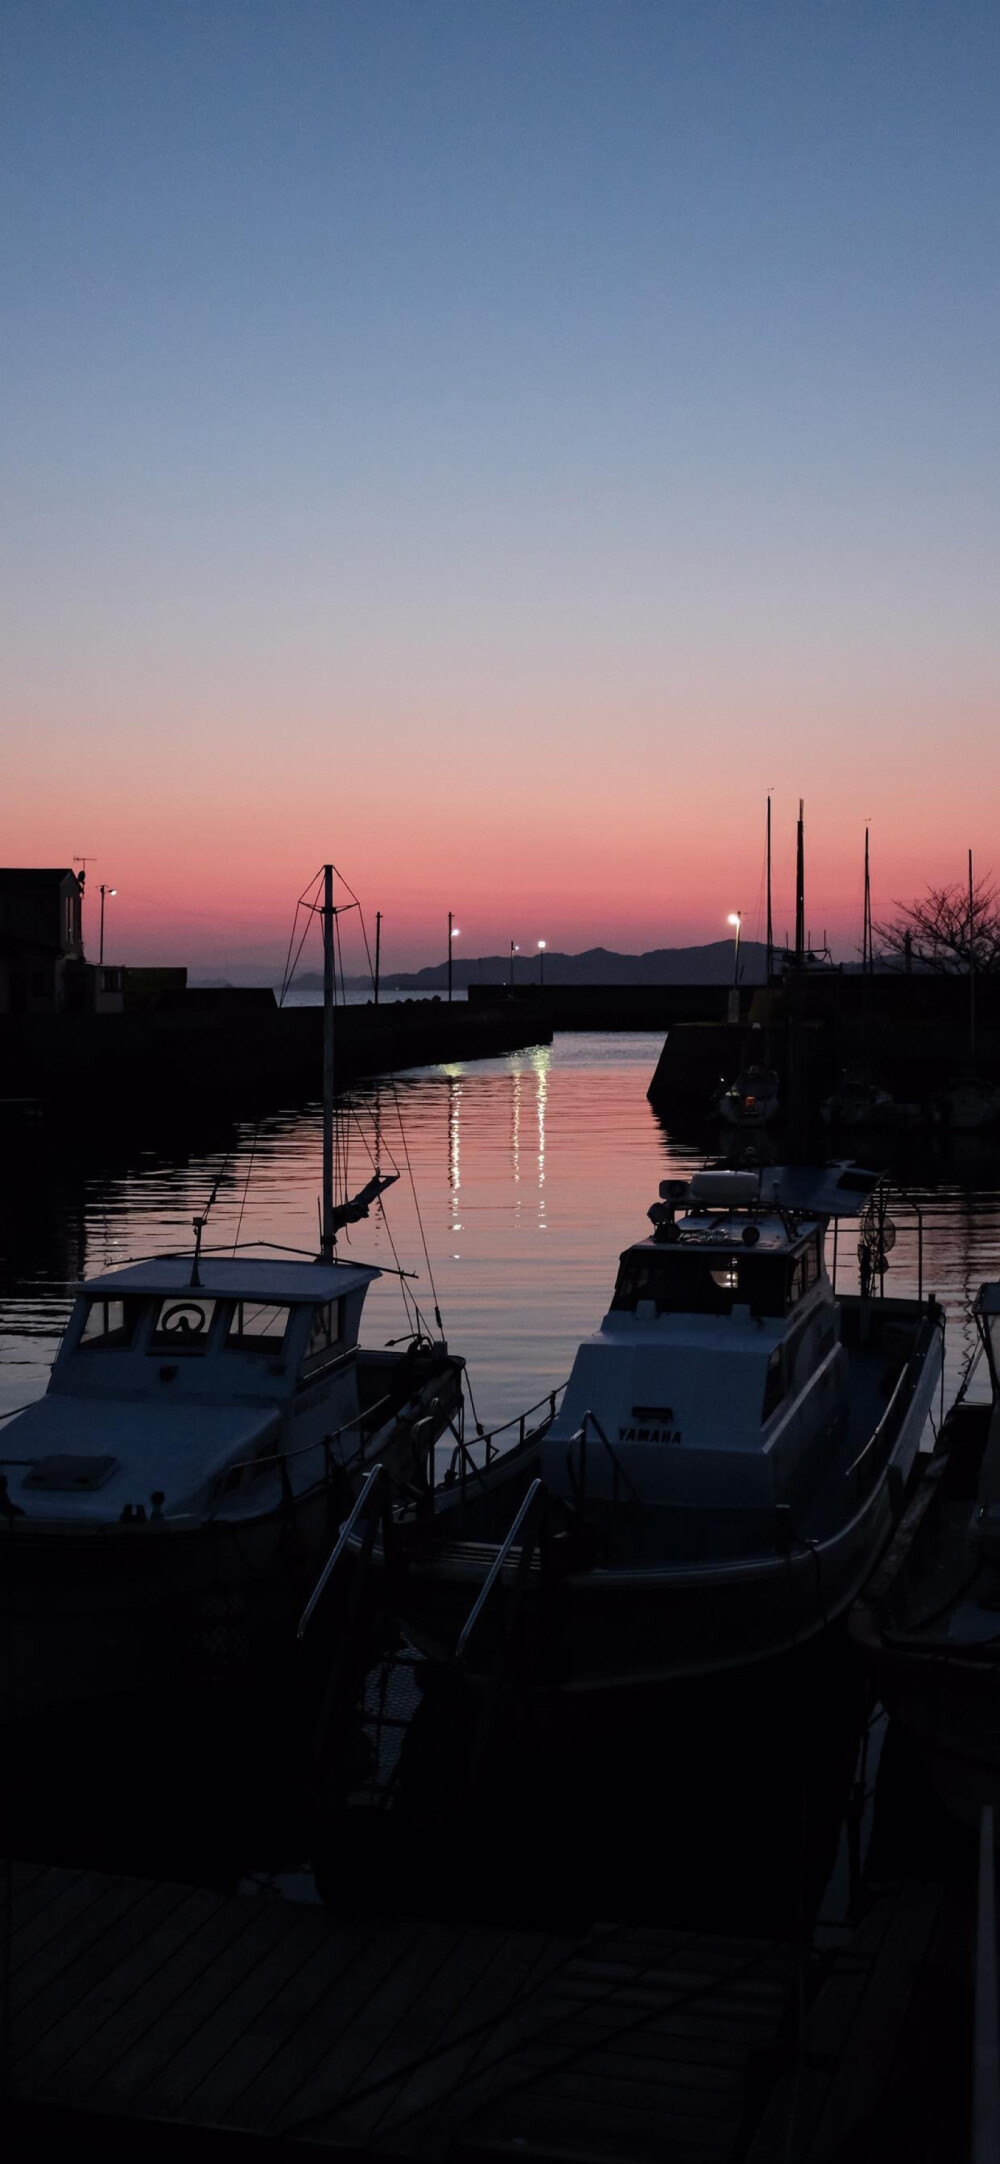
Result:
<point x="492" y="444"/>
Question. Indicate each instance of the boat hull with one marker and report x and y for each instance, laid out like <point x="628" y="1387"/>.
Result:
<point x="604" y="1628"/>
<point x="110" y="1611"/>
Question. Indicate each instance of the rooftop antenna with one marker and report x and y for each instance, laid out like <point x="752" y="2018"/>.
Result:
<point x="800" y="890"/>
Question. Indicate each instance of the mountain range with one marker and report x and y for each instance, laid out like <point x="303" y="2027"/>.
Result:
<point x="712" y="964"/>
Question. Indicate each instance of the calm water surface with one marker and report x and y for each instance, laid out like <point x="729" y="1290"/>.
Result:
<point x="529" y="1174"/>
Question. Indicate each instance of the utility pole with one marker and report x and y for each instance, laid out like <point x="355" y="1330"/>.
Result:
<point x="770" y="925"/>
<point x="800" y="891"/>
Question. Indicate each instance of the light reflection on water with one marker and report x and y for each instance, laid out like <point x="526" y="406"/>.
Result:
<point x="530" y="1173"/>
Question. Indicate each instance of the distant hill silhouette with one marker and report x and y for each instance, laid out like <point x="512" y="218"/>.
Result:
<point x="712" y="964"/>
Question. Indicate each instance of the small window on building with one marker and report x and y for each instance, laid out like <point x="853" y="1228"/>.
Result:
<point x="257" y="1326"/>
<point x="325" y="1336"/>
<point x="110" y="1322"/>
<point x="183" y="1322"/>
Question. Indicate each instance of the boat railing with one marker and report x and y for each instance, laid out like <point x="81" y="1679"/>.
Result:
<point x="865" y="1469"/>
<point x="578" y="1481"/>
<point x="346" y="1572"/>
<point x="463" y="1460"/>
<point x="524" y="1532"/>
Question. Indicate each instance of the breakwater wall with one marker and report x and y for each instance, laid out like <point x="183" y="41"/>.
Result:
<point x="238" y="1051"/>
<point x="909" y="1034"/>
<point x="614" y="1006"/>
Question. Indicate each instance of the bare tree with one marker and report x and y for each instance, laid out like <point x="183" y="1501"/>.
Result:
<point x="941" y="933"/>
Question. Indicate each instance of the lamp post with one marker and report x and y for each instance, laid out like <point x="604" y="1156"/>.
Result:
<point x="453" y="933"/>
<point x="541" y="961"/>
<point x="104" y="891"/>
<point x="736" y="917"/>
<point x="514" y="949"/>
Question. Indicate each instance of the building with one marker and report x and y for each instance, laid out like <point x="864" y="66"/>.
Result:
<point x="42" y="967"/>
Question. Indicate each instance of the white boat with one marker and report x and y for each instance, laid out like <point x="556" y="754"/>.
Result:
<point x="863" y="1107"/>
<point x="728" y="1463"/>
<point x="969" y="1105"/>
<point x="752" y="1100"/>
<point x="165" y="1507"/>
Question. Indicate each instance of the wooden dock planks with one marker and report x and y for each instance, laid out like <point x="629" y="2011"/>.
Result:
<point x="399" y="2038"/>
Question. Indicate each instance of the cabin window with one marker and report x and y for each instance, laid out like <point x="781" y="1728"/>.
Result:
<point x="110" y="1322"/>
<point x="685" y="1281"/>
<point x="183" y="1323"/>
<point x="806" y="1270"/>
<point x="326" y="1335"/>
<point x="774" y="1387"/>
<point x="257" y="1326"/>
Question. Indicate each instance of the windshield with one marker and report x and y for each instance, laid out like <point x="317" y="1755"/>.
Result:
<point x="686" y="1282"/>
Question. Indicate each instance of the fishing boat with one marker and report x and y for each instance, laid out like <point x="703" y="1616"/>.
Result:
<point x="929" y="1622"/>
<point x="729" y="1460"/>
<point x="859" y="1106"/>
<point x="752" y="1100"/>
<point x="968" y="1106"/>
<point x="165" y="1506"/>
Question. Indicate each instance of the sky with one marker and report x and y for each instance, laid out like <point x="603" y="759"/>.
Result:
<point x="491" y="444"/>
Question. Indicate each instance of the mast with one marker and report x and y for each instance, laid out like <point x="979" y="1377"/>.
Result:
<point x="770" y="926"/>
<point x="800" y="891"/>
<point x="972" y="966"/>
<point x="378" y="948"/>
<point x="867" y="953"/>
<point x="328" y="1234"/>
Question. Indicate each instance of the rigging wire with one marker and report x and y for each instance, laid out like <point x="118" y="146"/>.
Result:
<point x="246" y="1186"/>
<point x="416" y="1203"/>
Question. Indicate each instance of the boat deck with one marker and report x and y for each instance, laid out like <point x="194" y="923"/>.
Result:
<point x="211" y="2015"/>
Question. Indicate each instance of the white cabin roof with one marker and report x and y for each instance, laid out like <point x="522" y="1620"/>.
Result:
<point x="237" y="1277"/>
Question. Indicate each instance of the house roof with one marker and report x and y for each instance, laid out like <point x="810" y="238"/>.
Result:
<point x="30" y="876"/>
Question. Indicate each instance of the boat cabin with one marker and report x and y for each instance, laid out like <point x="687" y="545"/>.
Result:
<point x="241" y="1328"/>
<point x="717" y="1376"/>
<point x="181" y="1389"/>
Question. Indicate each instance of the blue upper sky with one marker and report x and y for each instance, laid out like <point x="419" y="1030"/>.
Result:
<point x="505" y="360"/>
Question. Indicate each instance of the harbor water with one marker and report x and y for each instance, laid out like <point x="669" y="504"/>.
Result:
<point x="519" y="1181"/>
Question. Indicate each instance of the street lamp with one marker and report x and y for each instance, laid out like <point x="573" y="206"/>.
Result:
<point x="736" y="917"/>
<point x="514" y="949"/>
<point x="541" y="961"/>
<point x="104" y="891"/>
<point x="453" y="933"/>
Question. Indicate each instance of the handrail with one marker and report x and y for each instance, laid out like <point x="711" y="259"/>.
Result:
<point x="517" y="1420"/>
<point x="619" y="1469"/>
<point x="343" y="1538"/>
<point x="536" y="1488"/>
